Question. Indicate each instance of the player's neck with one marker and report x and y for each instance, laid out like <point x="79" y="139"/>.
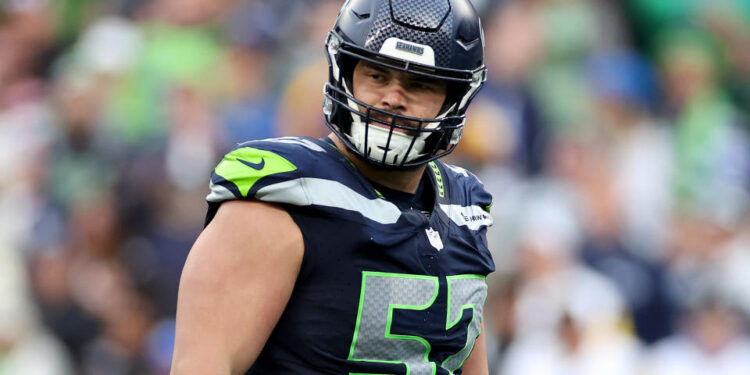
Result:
<point x="402" y="180"/>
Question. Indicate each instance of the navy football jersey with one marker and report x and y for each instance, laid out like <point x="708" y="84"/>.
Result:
<point x="381" y="290"/>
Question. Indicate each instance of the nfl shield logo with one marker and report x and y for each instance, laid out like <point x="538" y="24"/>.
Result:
<point x="434" y="238"/>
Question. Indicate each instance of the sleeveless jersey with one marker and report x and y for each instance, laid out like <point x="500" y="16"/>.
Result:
<point x="381" y="290"/>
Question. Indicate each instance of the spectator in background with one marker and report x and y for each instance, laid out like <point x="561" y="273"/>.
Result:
<point x="712" y="150"/>
<point x="247" y="110"/>
<point x="731" y="270"/>
<point x="61" y="313"/>
<point x="25" y="346"/>
<point x="637" y="146"/>
<point x="299" y="110"/>
<point x="729" y="22"/>
<point x="623" y="176"/>
<point x="506" y="126"/>
<point x="711" y="340"/>
<point x="569" y="319"/>
<point x="25" y="133"/>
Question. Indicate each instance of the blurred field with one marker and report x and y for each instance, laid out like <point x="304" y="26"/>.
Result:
<point x="612" y="133"/>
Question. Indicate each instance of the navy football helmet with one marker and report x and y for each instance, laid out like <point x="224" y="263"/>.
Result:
<point x="437" y="39"/>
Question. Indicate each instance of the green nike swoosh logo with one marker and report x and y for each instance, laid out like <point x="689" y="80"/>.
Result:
<point x="255" y="166"/>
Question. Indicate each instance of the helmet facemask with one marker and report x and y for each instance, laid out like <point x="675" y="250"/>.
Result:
<point x="402" y="141"/>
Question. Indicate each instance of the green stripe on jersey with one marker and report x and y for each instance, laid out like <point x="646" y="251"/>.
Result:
<point x="438" y="179"/>
<point x="245" y="166"/>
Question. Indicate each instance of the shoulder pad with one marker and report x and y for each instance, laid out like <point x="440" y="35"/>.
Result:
<point x="295" y="171"/>
<point x="252" y="165"/>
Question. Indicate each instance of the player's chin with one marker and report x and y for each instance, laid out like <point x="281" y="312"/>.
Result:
<point x="381" y="167"/>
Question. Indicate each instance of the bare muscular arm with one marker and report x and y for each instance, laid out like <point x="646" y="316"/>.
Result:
<point x="476" y="364"/>
<point x="236" y="283"/>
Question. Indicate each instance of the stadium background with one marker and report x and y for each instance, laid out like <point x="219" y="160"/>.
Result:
<point x="613" y="134"/>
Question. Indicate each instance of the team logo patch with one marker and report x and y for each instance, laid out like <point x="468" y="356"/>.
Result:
<point x="434" y="237"/>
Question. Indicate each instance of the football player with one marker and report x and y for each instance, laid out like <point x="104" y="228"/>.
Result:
<point x="358" y="253"/>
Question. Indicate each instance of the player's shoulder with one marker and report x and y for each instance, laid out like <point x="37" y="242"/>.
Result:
<point x="254" y="165"/>
<point x="464" y="186"/>
<point x="299" y="150"/>
<point x="466" y="200"/>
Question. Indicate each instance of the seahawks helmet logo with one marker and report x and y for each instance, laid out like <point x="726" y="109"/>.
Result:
<point x="417" y="50"/>
<point x="402" y="49"/>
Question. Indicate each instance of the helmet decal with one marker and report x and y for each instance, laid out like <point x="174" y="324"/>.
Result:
<point x="401" y="49"/>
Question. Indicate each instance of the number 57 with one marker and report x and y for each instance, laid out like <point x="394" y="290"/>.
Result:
<point x="382" y="293"/>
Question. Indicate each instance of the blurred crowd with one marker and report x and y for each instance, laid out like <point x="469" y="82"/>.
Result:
<point x="613" y="135"/>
